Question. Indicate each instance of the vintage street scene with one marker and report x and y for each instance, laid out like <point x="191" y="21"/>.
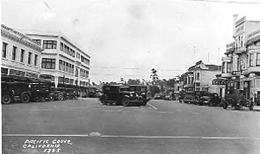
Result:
<point x="130" y="77"/>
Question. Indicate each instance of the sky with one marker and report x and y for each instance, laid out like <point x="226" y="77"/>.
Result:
<point x="127" y="38"/>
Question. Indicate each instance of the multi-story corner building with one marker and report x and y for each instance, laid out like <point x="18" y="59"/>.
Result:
<point x="238" y="58"/>
<point x="20" y="54"/>
<point x="62" y="61"/>
<point x="200" y="76"/>
<point x="250" y="78"/>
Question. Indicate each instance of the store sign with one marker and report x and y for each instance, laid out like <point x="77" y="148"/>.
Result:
<point x="219" y="82"/>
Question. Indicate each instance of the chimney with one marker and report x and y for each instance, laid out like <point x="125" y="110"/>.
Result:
<point x="235" y="17"/>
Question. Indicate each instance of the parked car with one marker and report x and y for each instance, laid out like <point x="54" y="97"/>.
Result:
<point x="140" y="90"/>
<point x="14" y="92"/>
<point x="40" y="90"/>
<point x="236" y="98"/>
<point x="191" y="97"/>
<point x="119" y="95"/>
<point x="203" y="97"/>
<point x="215" y="100"/>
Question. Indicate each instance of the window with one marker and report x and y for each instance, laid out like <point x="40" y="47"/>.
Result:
<point x="251" y="57"/>
<point x="22" y="55"/>
<point x="4" y="50"/>
<point x="76" y="73"/>
<point x="14" y="53"/>
<point x="228" y="67"/>
<point x="29" y="58"/>
<point x="35" y="60"/>
<point x="223" y="68"/>
<point x="48" y="63"/>
<point x="238" y="64"/>
<point x="78" y="55"/>
<point x="198" y="76"/>
<point x="49" y="44"/>
<point x="258" y="59"/>
<point x="61" y="46"/>
<point x="60" y="64"/>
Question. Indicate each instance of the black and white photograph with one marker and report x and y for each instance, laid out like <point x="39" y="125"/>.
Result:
<point x="130" y="77"/>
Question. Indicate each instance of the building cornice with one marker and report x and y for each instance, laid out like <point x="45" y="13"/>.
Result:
<point x="19" y="37"/>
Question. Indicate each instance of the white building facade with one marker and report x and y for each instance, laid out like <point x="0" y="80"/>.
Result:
<point x="62" y="61"/>
<point x="20" y="54"/>
<point x="241" y="66"/>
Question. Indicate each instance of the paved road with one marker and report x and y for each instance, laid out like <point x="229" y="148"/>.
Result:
<point x="86" y="127"/>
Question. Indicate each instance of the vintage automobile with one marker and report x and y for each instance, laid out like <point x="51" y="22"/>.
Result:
<point x="119" y="95"/>
<point x="40" y="90"/>
<point x="236" y="98"/>
<point x="140" y="90"/>
<point x="191" y="97"/>
<point x="215" y="100"/>
<point x="203" y="97"/>
<point x="15" y="91"/>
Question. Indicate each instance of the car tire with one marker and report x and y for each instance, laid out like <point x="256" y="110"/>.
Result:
<point x="25" y="98"/>
<point x="60" y="97"/>
<point x="6" y="99"/>
<point x="225" y="105"/>
<point x="51" y="97"/>
<point x="238" y="105"/>
<point x="125" y="101"/>
<point x="37" y="98"/>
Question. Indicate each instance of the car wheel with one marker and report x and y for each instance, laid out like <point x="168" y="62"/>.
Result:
<point x="6" y="99"/>
<point x="60" y="97"/>
<point x="125" y="101"/>
<point x="225" y="105"/>
<point x="238" y="105"/>
<point x="37" y="98"/>
<point x="25" y="98"/>
<point x="51" y="97"/>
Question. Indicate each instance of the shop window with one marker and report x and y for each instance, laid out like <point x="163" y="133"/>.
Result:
<point x="4" y="71"/>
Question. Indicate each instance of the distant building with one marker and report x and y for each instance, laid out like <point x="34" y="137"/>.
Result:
<point x="62" y="61"/>
<point x="20" y="54"/>
<point x="240" y="66"/>
<point x="200" y="76"/>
